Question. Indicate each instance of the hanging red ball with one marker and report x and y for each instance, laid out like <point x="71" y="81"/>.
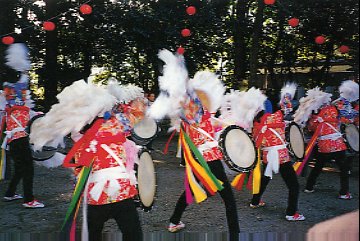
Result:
<point x="8" y="40"/>
<point x="180" y="50"/>
<point x="344" y="49"/>
<point x="186" y="32"/>
<point x="85" y="9"/>
<point x="320" y="40"/>
<point x="191" y="10"/>
<point x="269" y="2"/>
<point x="49" y="26"/>
<point x="294" y="22"/>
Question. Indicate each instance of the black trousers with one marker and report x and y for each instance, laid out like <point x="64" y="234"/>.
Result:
<point x="23" y="168"/>
<point x="343" y="164"/>
<point x="288" y="174"/>
<point x="226" y="194"/>
<point x="125" y="215"/>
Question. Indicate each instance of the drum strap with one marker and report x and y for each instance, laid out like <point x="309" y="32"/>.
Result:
<point x="333" y="136"/>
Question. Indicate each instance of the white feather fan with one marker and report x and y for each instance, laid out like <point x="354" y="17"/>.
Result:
<point x="17" y="57"/>
<point x="79" y="104"/>
<point x="172" y="85"/>
<point x="210" y="84"/>
<point x="314" y="100"/>
<point x="55" y="161"/>
<point x="349" y="90"/>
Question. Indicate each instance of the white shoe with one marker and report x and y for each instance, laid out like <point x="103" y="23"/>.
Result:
<point x="173" y="228"/>
<point x="296" y="217"/>
<point x="34" y="204"/>
<point x="13" y="198"/>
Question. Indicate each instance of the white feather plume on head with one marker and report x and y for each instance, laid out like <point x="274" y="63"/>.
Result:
<point x="228" y="106"/>
<point x="17" y="57"/>
<point x="210" y="84"/>
<point x="79" y="104"/>
<point x="349" y="90"/>
<point x="251" y="103"/>
<point x="124" y="93"/>
<point x="288" y="88"/>
<point x="172" y="86"/>
<point x="244" y="106"/>
<point x="312" y="102"/>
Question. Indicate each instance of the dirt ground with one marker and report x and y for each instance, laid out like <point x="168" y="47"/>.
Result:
<point x="205" y="221"/>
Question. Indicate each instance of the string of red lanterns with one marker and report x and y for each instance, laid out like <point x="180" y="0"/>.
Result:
<point x="320" y="40"/>
<point x="48" y="25"/>
<point x="191" y="10"/>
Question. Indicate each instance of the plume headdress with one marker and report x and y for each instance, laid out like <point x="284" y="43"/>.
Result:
<point x="173" y="86"/>
<point x="312" y="102"/>
<point x="288" y="91"/>
<point x="349" y="90"/>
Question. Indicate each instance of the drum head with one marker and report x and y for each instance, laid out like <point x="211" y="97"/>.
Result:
<point x="352" y="137"/>
<point x="146" y="179"/>
<point x="47" y="151"/>
<point x="144" y="131"/>
<point x="238" y="149"/>
<point x="296" y="141"/>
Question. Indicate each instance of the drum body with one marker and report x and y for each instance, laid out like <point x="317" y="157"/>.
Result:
<point x="144" y="132"/>
<point x="47" y="151"/>
<point x="296" y="140"/>
<point x="238" y="149"/>
<point x="351" y="135"/>
<point x="146" y="179"/>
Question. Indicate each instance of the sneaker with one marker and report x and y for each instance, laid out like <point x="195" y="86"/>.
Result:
<point x="33" y="204"/>
<point x="261" y="204"/>
<point x="347" y="196"/>
<point x="173" y="228"/>
<point x="296" y="217"/>
<point x="309" y="191"/>
<point x="15" y="197"/>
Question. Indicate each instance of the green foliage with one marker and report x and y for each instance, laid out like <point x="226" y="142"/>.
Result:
<point x="125" y="37"/>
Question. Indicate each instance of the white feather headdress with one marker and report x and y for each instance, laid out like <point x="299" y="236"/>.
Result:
<point x="172" y="86"/>
<point x="210" y="84"/>
<point x="124" y="93"/>
<point x="349" y="90"/>
<point x="79" y="104"/>
<point x="244" y="106"/>
<point x="228" y="106"/>
<point x="288" y="88"/>
<point x="17" y="57"/>
<point x="312" y="102"/>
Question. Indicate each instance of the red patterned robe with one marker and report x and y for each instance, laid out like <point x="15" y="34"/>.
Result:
<point x="330" y="138"/>
<point x="269" y="138"/>
<point x="17" y="118"/>
<point x="111" y="179"/>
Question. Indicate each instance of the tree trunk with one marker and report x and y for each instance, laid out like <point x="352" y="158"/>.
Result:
<point x="274" y="83"/>
<point x="50" y="73"/>
<point x="240" y="58"/>
<point x="256" y="37"/>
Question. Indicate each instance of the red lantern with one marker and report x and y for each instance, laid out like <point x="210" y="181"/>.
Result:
<point x="269" y="2"/>
<point x="320" y="40"/>
<point x="85" y="9"/>
<point x="186" y="32"/>
<point x="180" y="50"/>
<point x="49" y="26"/>
<point x="191" y="10"/>
<point x="294" y="22"/>
<point x="344" y="49"/>
<point x="8" y="40"/>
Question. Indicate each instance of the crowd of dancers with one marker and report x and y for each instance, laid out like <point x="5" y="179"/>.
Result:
<point x="104" y="156"/>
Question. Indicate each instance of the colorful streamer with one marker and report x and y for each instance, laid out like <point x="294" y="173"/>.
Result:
<point x="257" y="174"/>
<point x="73" y="209"/>
<point x="197" y="171"/>
<point x="298" y="167"/>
